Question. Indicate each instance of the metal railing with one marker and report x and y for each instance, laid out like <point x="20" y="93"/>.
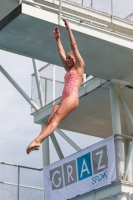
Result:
<point x="121" y="9"/>
<point x="106" y="14"/>
<point x="20" y="182"/>
<point x="51" y="88"/>
<point x="115" y="8"/>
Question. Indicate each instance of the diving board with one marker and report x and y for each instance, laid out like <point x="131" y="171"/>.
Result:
<point x="107" y="54"/>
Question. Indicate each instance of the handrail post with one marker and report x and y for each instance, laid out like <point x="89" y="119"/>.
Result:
<point x="59" y="18"/>
<point x="116" y="126"/>
<point x="38" y="83"/>
<point x="18" y="183"/>
<point x="91" y="3"/>
<point x="84" y="77"/>
<point x="53" y="82"/>
<point x="45" y="100"/>
<point x="112" y="11"/>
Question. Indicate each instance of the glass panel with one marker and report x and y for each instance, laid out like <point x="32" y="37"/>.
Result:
<point x="8" y="192"/>
<point x="122" y="8"/>
<point x="87" y="3"/>
<point x="31" y="194"/>
<point x="102" y="5"/>
<point x="77" y="1"/>
<point x="28" y="178"/>
<point x="8" y="173"/>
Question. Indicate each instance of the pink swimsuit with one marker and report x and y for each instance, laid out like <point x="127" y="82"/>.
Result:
<point x="70" y="81"/>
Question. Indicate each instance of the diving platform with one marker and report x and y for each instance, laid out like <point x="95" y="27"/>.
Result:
<point x="105" y="45"/>
<point x="93" y="115"/>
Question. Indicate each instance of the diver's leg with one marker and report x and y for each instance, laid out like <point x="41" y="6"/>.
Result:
<point x="65" y="107"/>
<point x="50" y="116"/>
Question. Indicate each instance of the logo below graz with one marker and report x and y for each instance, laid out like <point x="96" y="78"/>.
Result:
<point x="80" y="168"/>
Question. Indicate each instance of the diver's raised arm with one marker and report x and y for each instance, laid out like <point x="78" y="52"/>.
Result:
<point x="60" y="47"/>
<point x="79" y="59"/>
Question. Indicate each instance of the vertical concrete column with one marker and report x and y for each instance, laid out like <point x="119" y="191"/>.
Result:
<point x="45" y="150"/>
<point x="126" y="152"/>
<point x="116" y="126"/>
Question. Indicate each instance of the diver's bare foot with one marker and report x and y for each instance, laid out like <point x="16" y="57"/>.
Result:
<point x="33" y="146"/>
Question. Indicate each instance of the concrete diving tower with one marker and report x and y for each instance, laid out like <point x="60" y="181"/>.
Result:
<point x="106" y="45"/>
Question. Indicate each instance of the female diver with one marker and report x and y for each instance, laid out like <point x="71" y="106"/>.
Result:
<point x="74" y="66"/>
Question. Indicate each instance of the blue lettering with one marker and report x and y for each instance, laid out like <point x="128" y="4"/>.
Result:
<point x="105" y="174"/>
<point x="94" y="180"/>
<point x="100" y="177"/>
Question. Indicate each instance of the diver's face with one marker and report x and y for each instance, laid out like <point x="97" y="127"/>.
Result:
<point x="70" y="60"/>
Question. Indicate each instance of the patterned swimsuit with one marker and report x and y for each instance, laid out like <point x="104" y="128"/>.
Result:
<point x="70" y="81"/>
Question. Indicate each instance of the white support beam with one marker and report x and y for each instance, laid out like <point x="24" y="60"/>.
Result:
<point x="47" y="65"/>
<point x="116" y="126"/>
<point x="56" y="145"/>
<point x="38" y="83"/>
<point x="130" y="119"/>
<point x="45" y="150"/>
<point x="19" y="88"/>
<point x="117" y="81"/>
<point x="125" y="108"/>
<point x="115" y="110"/>
<point x="75" y="146"/>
